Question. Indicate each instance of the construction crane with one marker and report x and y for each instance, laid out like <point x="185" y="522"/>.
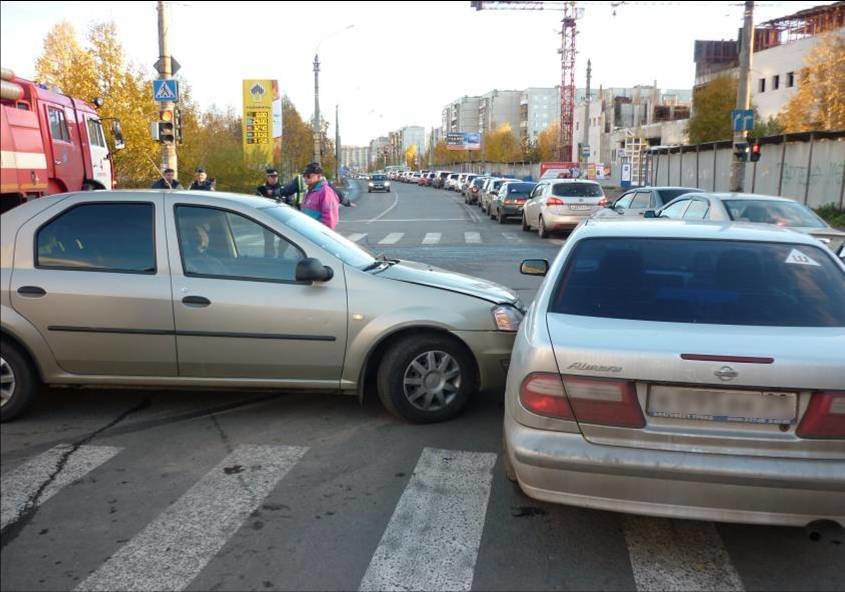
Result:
<point x="567" y="53"/>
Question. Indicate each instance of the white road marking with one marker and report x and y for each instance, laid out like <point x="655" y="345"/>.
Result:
<point x="556" y="241"/>
<point x="21" y="484"/>
<point x="423" y="220"/>
<point x="170" y="552"/>
<point x="392" y="238"/>
<point x="432" y="540"/>
<point x="472" y="237"/>
<point x="678" y="555"/>
<point x="512" y="236"/>
<point x="388" y="210"/>
<point x="356" y="236"/>
<point x="432" y="238"/>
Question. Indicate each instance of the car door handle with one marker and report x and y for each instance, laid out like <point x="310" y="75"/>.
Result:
<point x="198" y="301"/>
<point x="32" y="291"/>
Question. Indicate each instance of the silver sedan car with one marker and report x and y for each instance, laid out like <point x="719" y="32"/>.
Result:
<point x="215" y="290"/>
<point x="687" y="370"/>
<point x="561" y="204"/>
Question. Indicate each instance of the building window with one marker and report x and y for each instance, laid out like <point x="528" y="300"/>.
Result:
<point x="790" y="79"/>
<point x="762" y="86"/>
<point x="775" y="82"/>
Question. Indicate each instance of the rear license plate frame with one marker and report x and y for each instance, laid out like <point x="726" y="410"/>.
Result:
<point x="723" y="405"/>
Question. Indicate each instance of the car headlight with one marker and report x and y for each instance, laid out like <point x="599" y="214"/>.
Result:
<point x="507" y="318"/>
<point x="387" y="184"/>
<point x="370" y="183"/>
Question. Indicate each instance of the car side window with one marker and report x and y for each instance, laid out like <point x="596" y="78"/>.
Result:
<point x="115" y="237"/>
<point x="58" y="126"/>
<point x="697" y="210"/>
<point x="224" y="244"/>
<point x="676" y="210"/>
<point x="641" y="200"/>
<point x="624" y="202"/>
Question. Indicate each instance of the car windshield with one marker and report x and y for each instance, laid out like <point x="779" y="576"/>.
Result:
<point x="782" y="213"/>
<point x="670" y="194"/>
<point x="322" y="236"/>
<point x="702" y="281"/>
<point x="577" y="190"/>
<point x="379" y="177"/>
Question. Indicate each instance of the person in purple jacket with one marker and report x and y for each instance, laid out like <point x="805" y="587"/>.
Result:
<point x="321" y="202"/>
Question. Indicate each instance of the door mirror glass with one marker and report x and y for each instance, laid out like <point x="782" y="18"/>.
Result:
<point x="538" y="267"/>
<point x="650" y="214"/>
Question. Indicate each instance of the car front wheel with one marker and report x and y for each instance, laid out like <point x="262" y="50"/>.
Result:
<point x="426" y="380"/>
<point x="17" y="382"/>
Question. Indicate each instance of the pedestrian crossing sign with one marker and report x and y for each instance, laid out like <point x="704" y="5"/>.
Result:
<point x="165" y="90"/>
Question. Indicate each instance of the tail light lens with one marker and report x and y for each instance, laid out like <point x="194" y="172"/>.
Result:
<point x="825" y="416"/>
<point x="604" y="402"/>
<point x="543" y="394"/>
<point x="475" y="189"/>
<point x="555" y="201"/>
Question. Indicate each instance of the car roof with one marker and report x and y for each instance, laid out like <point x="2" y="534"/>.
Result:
<point x="696" y="229"/>
<point x="669" y="188"/>
<point x="561" y="181"/>
<point x="740" y="196"/>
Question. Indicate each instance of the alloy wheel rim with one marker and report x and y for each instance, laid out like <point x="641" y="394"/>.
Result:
<point x="432" y="381"/>
<point x="7" y="382"/>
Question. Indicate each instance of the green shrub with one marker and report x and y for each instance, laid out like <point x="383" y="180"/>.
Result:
<point x="832" y="215"/>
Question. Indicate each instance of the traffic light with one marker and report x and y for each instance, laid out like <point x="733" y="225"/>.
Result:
<point x="177" y="120"/>
<point x="166" y="127"/>
<point x="741" y="151"/>
<point x="755" y="150"/>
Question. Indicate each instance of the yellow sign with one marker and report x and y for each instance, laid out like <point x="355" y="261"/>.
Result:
<point x="258" y="141"/>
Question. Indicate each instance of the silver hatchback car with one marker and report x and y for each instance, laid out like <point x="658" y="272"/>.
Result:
<point x="688" y="370"/>
<point x="202" y="290"/>
<point x="561" y="204"/>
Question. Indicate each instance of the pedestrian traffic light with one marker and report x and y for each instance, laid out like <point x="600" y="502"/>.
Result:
<point x="166" y="127"/>
<point x="177" y="127"/>
<point x="741" y="151"/>
<point x="755" y="150"/>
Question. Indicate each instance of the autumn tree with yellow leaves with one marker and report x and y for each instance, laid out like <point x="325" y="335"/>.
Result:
<point x="502" y="145"/>
<point x="819" y="103"/>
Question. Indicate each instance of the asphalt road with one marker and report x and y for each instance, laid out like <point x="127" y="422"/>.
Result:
<point x="131" y="490"/>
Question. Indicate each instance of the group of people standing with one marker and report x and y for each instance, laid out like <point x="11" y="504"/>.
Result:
<point x="308" y="192"/>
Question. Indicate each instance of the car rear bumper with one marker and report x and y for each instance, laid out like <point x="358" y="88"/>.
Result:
<point x="565" y="468"/>
<point x="555" y="221"/>
<point x="512" y="211"/>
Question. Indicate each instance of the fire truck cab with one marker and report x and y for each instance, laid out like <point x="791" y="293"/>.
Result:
<point x="51" y="143"/>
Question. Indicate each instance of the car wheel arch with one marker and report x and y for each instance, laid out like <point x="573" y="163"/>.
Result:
<point x="7" y="336"/>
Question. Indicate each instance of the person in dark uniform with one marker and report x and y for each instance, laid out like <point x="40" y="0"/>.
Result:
<point x="272" y="188"/>
<point x="167" y="181"/>
<point x="201" y="180"/>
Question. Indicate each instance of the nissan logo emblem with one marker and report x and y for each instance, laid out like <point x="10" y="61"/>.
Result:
<point x="726" y="373"/>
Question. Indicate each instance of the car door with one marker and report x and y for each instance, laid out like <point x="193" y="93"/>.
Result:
<point x="239" y="311"/>
<point x="532" y="206"/>
<point x="675" y="209"/>
<point x="92" y="274"/>
<point x="64" y="142"/>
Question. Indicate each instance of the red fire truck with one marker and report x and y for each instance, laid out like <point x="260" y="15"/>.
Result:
<point x="51" y="143"/>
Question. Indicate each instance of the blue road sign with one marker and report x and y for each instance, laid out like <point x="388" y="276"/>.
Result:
<point x="742" y="119"/>
<point x="165" y="90"/>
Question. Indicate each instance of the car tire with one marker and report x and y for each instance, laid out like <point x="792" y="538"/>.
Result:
<point x="541" y="229"/>
<point x="404" y="365"/>
<point x="500" y="218"/>
<point x="369" y="190"/>
<point x="525" y="225"/>
<point x="18" y="381"/>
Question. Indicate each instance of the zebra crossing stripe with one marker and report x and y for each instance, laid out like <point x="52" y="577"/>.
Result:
<point x="432" y="540"/>
<point x="512" y="236"/>
<point x="21" y="485"/>
<point x="392" y="238"/>
<point x="472" y="237"/>
<point x="357" y="236"/>
<point x="678" y="555"/>
<point x="170" y="552"/>
<point x="432" y="238"/>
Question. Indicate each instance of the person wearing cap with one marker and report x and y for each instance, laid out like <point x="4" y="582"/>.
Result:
<point x="321" y="202"/>
<point x="201" y="180"/>
<point x="168" y="181"/>
<point x="272" y="188"/>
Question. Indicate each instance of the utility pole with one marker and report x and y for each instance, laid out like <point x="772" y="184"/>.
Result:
<point x="743" y="95"/>
<point x="336" y="144"/>
<point x="317" y="130"/>
<point x="168" y="150"/>
<point x="585" y="142"/>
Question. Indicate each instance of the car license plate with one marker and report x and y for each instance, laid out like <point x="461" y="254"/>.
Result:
<point x="761" y="407"/>
<point x="574" y="207"/>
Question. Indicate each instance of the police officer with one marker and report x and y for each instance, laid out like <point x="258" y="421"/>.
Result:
<point x="201" y="180"/>
<point x="272" y="188"/>
<point x="167" y="181"/>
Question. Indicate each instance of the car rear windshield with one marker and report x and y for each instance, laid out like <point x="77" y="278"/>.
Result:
<point x="702" y="281"/>
<point x="669" y="194"/>
<point x="577" y="190"/>
<point x="782" y="213"/>
<point x="478" y="182"/>
<point x="520" y="188"/>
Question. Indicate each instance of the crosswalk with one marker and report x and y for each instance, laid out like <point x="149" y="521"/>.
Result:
<point x="439" y="238"/>
<point x="431" y="541"/>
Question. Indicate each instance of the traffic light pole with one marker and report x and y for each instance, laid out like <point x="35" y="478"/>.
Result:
<point x="743" y="97"/>
<point x="168" y="149"/>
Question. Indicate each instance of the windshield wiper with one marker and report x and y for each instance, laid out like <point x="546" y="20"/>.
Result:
<point x="380" y="261"/>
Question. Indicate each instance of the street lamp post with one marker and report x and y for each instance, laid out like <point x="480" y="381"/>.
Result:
<point x="317" y="123"/>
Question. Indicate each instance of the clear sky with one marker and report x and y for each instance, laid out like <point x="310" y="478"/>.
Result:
<point x="401" y="62"/>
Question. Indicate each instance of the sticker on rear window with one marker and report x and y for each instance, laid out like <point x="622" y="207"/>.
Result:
<point x="796" y="257"/>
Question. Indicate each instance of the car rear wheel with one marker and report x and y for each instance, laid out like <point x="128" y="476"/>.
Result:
<point x="541" y="229"/>
<point x="426" y="380"/>
<point x="525" y="226"/>
<point x="500" y="217"/>
<point x="17" y="382"/>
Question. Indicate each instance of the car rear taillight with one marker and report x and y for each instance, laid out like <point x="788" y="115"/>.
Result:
<point x="825" y="416"/>
<point x="555" y="201"/>
<point x="475" y="189"/>
<point x="542" y="393"/>
<point x="604" y="402"/>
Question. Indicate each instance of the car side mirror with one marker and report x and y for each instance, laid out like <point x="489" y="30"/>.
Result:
<point x="117" y="134"/>
<point x="538" y="267"/>
<point x="650" y="214"/>
<point x="311" y="270"/>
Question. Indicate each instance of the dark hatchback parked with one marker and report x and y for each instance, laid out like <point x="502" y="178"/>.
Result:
<point x="510" y="200"/>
